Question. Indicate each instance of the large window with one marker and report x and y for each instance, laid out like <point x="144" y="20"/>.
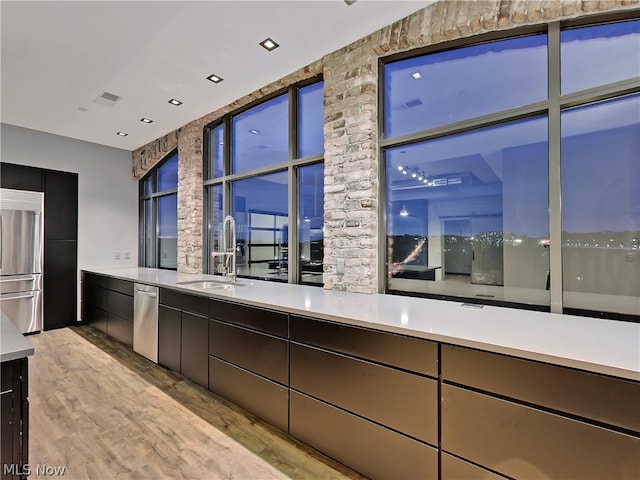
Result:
<point x="261" y="167"/>
<point x="473" y="140"/>
<point x="159" y="215"/>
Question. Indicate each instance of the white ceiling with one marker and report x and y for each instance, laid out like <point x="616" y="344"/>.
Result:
<point x="58" y="57"/>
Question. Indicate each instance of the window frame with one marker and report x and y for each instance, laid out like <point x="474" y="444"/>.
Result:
<point x="153" y="198"/>
<point x="291" y="166"/>
<point x="553" y="106"/>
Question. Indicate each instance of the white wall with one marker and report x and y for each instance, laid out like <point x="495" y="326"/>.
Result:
<point x="107" y="193"/>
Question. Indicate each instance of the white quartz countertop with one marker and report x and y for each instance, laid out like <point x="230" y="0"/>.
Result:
<point x="598" y="345"/>
<point x="13" y="345"/>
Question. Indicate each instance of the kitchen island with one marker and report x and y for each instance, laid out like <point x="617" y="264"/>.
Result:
<point x="401" y="387"/>
<point x="14" y="350"/>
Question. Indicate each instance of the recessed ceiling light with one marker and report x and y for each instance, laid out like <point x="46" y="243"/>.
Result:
<point x="269" y="44"/>
<point x="214" y="78"/>
<point x="254" y="131"/>
<point x="122" y="134"/>
<point x="175" y="102"/>
<point x="146" y="120"/>
<point x="416" y="75"/>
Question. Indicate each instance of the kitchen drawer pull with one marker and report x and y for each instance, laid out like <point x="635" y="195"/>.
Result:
<point x="12" y="296"/>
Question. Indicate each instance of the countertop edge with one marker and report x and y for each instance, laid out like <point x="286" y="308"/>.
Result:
<point x="545" y="357"/>
<point x="13" y="345"/>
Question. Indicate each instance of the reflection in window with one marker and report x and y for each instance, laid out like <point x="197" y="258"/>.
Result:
<point x="311" y="120"/>
<point x="168" y="231"/>
<point x="216" y="153"/>
<point x="467" y="214"/>
<point x="168" y="174"/>
<point x="437" y="89"/>
<point x="260" y="209"/>
<point x="587" y="59"/>
<point x="261" y="135"/>
<point x="601" y="206"/>
<point x="311" y="222"/>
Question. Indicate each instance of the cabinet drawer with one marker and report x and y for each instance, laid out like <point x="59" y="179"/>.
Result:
<point x="120" y="305"/>
<point x="120" y="329"/>
<point x="94" y="279"/>
<point x="169" y="337"/>
<point x="95" y="317"/>
<point x="194" y="358"/>
<point x="455" y="469"/>
<point x="597" y="397"/>
<point x="400" y="400"/>
<point x="95" y="296"/>
<point x="256" y="394"/>
<point x="523" y="442"/>
<point x="122" y="286"/>
<point x="257" y="352"/>
<point x="184" y="301"/>
<point x="269" y="321"/>
<point x="364" y="446"/>
<point x="408" y="353"/>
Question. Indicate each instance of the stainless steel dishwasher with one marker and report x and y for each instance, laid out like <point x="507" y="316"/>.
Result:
<point x="145" y="321"/>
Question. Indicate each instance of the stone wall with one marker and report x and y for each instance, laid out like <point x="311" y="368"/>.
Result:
<point x="351" y="130"/>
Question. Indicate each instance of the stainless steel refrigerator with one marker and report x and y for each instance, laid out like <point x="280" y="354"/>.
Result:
<point x="21" y="258"/>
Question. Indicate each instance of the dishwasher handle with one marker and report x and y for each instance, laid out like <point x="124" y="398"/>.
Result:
<point x="149" y="294"/>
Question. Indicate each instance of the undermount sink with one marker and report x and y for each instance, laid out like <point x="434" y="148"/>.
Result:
<point x="210" y="284"/>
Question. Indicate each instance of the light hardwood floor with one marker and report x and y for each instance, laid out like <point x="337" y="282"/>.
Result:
<point x="104" y="412"/>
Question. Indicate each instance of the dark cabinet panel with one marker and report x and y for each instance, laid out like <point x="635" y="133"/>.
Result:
<point x="375" y="451"/>
<point x="60" y="284"/>
<point x="95" y="317"/>
<point x="120" y="329"/>
<point x="605" y="399"/>
<point x="94" y="279"/>
<point x="94" y="296"/>
<point x="120" y="305"/>
<point x="21" y="177"/>
<point x="258" y="352"/>
<point x="169" y="337"/>
<point x="184" y="301"/>
<point x="455" y="469"/>
<point x="14" y="418"/>
<point x="400" y="400"/>
<point x="121" y="286"/>
<point x="194" y="360"/>
<point x="269" y="321"/>
<point x="408" y="353"/>
<point x="264" y="398"/>
<point x="60" y="205"/>
<point x="523" y="442"/>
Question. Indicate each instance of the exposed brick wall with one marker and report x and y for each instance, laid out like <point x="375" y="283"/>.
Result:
<point x="351" y="130"/>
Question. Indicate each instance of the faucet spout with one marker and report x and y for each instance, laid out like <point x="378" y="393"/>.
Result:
<point x="229" y="248"/>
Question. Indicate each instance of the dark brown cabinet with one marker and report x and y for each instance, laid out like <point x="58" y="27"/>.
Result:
<point x="390" y="405"/>
<point x="526" y="419"/>
<point x="107" y="304"/>
<point x="183" y="335"/>
<point x="249" y="359"/>
<point x="14" y="418"/>
<point x="169" y="337"/>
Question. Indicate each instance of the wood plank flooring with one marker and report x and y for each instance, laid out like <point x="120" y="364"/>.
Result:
<point x="104" y="412"/>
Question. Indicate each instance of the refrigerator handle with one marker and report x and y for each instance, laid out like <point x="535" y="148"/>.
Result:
<point x="13" y="296"/>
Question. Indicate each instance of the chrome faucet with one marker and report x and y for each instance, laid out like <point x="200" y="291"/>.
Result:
<point x="228" y="250"/>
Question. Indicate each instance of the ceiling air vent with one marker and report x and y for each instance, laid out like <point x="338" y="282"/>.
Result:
<point x="107" y="99"/>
